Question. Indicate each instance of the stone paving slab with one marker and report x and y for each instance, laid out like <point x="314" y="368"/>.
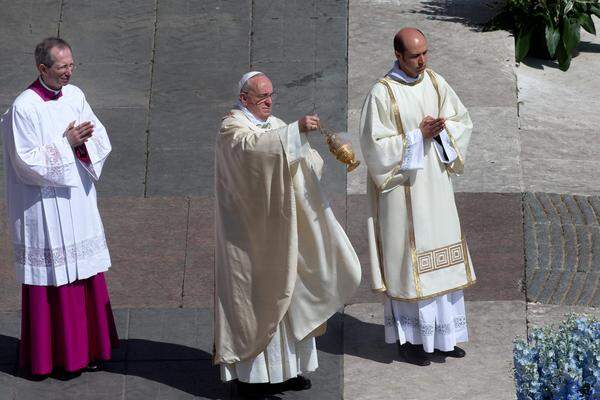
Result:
<point x="113" y="85"/>
<point x="23" y="24"/>
<point x="146" y="238"/>
<point x="372" y="369"/>
<point x="492" y="160"/>
<point x="198" y="286"/>
<point x="170" y="334"/>
<point x="457" y="49"/>
<point x="540" y="315"/>
<point x="126" y="29"/>
<point x="10" y="293"/>
<point x="124" y="171"/>
<point x="492" y="225"/>
<point x="559" y="175"/>
<point x="195" y="168"/>
<point x="557" y="116"/>
<point x="562" y="239"/>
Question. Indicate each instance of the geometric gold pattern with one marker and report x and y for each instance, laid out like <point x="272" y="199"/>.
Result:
<point x="442" y="257"/>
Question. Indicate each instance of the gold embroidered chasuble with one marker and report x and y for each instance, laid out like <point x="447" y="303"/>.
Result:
<point x="279" y="249"/>
<point x="417" y="250"/>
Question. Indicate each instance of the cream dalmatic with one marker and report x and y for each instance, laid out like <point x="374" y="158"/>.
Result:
<point x="417" y="249"/>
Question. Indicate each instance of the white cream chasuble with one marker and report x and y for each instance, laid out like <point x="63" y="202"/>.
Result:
<point x="54" y="221"/>
<point x="283" y="263"/>
<point x="417" y="250"/>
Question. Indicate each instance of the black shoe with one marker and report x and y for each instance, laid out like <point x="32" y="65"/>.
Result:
<point x="94" y="366"/>
<point x="298" y="383"/>
<point x="63" y="375"/>
<point x="414" y="354"/>
<point x="254" y="391"/>
<point x="26" y="374"/>
<point x="456" y="353"/>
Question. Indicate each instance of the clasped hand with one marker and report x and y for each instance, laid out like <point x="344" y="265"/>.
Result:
<point x="431" y="127"/>
<point x="78" y="135"/>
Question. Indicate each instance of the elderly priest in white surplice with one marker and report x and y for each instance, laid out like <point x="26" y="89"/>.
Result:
<point x="54" y="152"/>
<point x="283" y="263"/>
<point x="414" y="136"/>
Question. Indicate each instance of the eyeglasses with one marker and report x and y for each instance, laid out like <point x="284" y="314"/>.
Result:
<point x="64" y="67"/>
<point x="261" y="98"/>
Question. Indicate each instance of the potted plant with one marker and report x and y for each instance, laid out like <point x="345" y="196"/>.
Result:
<point x="546" y="28"/>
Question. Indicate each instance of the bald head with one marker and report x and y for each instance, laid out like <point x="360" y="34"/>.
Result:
<point x="410" y="47"/>
<point x="408" y="37"/>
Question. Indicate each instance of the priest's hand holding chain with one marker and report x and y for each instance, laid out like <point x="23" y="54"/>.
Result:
<point x="78" y="135"/>
<point x="431" y="127"/>
<point x="308" y="123"/>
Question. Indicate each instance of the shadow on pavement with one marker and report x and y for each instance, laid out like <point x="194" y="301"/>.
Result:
<point x="8" y="354"/>
<point x="192" y="372"/>
<point x="366" y="340"/>
<point x="542" y="63"/>
<point x="587" y="47"/>
<point x="472" y="14"/>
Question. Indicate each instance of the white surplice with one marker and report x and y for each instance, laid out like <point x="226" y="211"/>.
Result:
<point x="53" y="216"/>
<point x="439" y="323"/>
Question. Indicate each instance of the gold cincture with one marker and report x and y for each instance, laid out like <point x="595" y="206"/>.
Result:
<point x="341" y="150"/>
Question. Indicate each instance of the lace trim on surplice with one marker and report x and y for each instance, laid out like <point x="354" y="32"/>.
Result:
<point x="48" y="258"/>
<point x="459" y="322"/>
<point x="55" y="167"/>
<point x="100" y="146"/>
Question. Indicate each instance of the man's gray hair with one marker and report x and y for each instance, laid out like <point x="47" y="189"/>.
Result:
<point x="246" y="86"/>
<point x="42" y="50"/>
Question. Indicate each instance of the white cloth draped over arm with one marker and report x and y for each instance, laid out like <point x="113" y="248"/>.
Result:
<point x="98" y="146"/>
<point x="292" y="142"/>
<point x="37" y="163"/>
<point x="458" y="122"/>
<point x="445" y="151"/>
<point x="297" y="148"/>
<point x="382" y="147"/>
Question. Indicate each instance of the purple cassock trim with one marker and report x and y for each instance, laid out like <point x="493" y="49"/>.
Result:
<point x="48" y="95"/>
<point x="44" y="93"/>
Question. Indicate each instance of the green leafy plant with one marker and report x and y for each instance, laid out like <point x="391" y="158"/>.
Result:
<point x="546" y="28"/>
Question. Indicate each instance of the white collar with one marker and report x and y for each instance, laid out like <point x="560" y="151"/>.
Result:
<point x="249" y="115"/>
<point x="397" y="73"/>
<point x="46" y="86"/>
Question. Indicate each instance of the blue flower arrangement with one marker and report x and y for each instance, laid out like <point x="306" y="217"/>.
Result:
<point x="559" y="363"/>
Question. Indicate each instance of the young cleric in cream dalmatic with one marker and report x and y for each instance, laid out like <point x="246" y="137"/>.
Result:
<point x="283" y="263"/>
<point x="414" y="136"/>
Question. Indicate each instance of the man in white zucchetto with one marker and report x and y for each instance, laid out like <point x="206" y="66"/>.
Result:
<point x="283" y="264"/>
